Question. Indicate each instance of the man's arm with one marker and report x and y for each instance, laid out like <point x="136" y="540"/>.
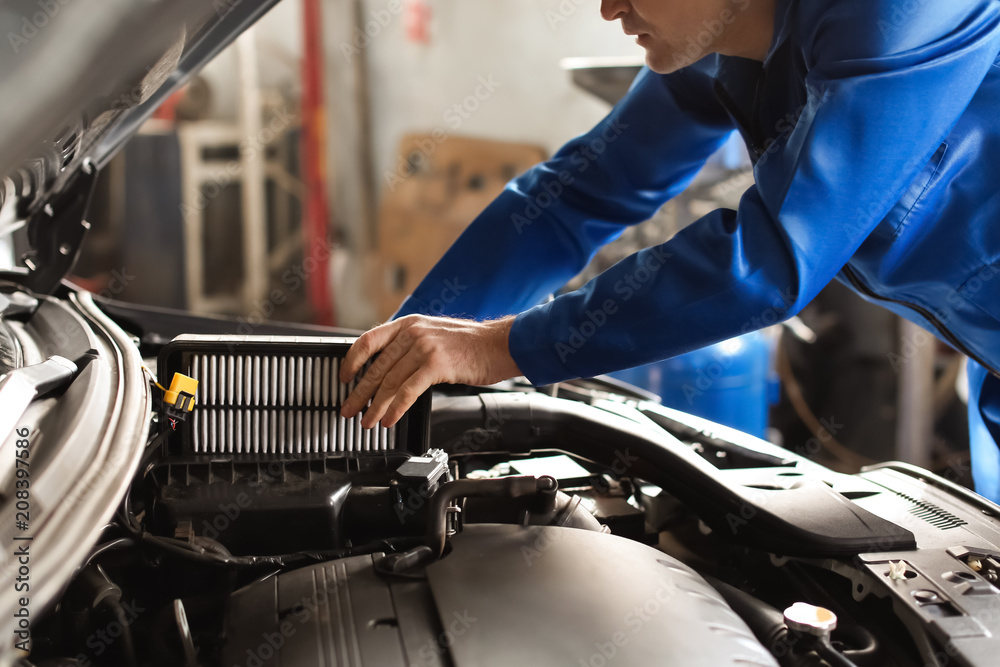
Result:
<point x="540" y="232"/>
<point x="880" y="103"/>
<point x="547" y="224"/>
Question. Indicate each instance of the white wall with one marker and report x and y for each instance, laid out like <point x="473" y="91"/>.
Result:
<point x="517" y="43"/>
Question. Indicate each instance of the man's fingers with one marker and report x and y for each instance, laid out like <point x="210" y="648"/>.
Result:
<point x="407" y="395"/>
<point x="443" y="349"/>
<point x="366" y="387"/>
<point x="365" y="347"/>
<point x="391" y="385"/>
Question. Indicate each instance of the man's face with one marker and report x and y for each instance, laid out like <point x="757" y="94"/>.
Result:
<point x="676" y="33"/>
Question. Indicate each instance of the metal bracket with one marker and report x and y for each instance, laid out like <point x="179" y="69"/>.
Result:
<point x="56" y="233"/>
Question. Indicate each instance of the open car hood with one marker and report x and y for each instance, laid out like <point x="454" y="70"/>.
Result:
<point x="80" y="78"/>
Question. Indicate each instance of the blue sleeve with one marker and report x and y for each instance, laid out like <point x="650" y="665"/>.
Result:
<point x="548" y="223"/>
<point x="883" y="94"/>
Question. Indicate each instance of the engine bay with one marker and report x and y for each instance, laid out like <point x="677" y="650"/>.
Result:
<point x="581" y="524"/>
<point x="173" y="494"/>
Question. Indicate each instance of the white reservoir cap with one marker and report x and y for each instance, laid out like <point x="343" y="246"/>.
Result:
<point x="811" y="620"/>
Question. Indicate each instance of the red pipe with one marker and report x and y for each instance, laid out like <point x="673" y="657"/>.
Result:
<point x="316" y="224"/>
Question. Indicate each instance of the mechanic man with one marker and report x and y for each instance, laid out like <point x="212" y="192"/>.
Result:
<point x="874" y="126"/>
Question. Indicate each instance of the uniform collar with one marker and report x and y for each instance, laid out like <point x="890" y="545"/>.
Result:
<point x="783" y="11"/>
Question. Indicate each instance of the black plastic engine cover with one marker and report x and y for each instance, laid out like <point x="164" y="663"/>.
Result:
<point x="504" y="595"/>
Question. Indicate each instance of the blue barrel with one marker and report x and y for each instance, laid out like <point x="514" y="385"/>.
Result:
<point x="731" y="382"/>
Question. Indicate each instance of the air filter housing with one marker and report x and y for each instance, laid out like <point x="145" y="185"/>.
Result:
<point x="278" y="395"/>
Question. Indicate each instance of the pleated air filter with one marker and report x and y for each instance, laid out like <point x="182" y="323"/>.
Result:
<point x="278" y="395"/>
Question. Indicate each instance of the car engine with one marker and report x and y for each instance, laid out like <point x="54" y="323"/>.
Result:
<point x="248" y="524"/>
<point x="267" y="473"/>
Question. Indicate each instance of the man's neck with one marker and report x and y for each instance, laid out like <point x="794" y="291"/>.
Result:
<point x="755" y="31"/>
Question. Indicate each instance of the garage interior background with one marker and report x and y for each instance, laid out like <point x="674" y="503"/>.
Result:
<point x="329" y="157"/>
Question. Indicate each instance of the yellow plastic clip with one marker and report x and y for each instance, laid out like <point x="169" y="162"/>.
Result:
<point x="181" y="393"/>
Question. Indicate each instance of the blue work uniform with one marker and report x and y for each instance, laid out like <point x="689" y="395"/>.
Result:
<point x="874" y="126"/>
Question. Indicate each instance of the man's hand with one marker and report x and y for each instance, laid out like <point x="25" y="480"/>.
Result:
<point x="417" y="352"/>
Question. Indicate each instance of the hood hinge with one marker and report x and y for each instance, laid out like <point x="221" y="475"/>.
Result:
<point x="56" y="232"/>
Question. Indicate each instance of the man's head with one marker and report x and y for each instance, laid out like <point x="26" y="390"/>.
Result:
<point x="676" y="33"/>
